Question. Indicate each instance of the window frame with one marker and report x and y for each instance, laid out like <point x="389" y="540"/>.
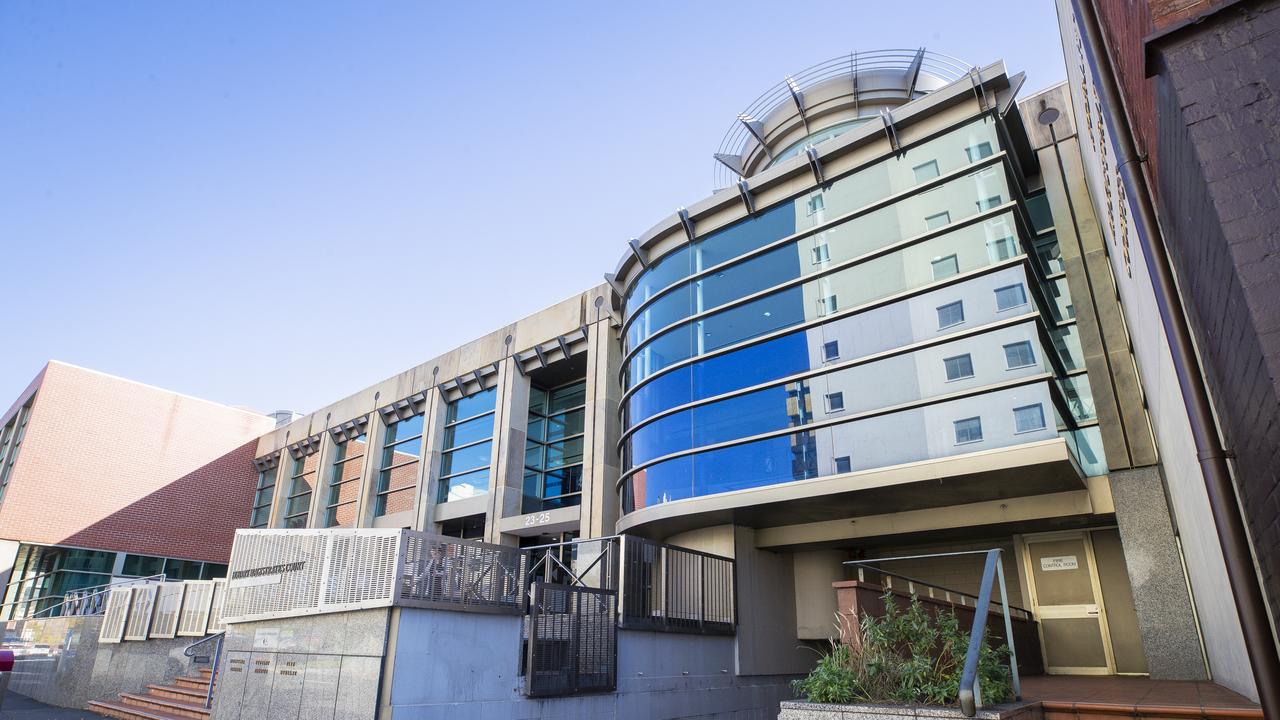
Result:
<point x="939" y="309"/>
<point x="383" y="490"/>
<point x="1020" y="344"/>
<point x="955" y="424"/>
<point x="1038" y="407"/>
<point x="946" y="367"/>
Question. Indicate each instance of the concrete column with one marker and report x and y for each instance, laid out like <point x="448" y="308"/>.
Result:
<point x="375" y="432"/>
<point x="434" y="412"/>
<point x="320" y="485"/>
<point x="510" y="428"/>
<point x="1166" y="619"/>
<point x="600" y="459"/>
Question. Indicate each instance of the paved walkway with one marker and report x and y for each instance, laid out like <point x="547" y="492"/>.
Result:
<point x="21" y="707"/>
<point x="1133" y="691"/>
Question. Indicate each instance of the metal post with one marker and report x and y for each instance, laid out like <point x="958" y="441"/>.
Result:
<point x="970" y="690"/>
<point x="1008" y="629"/>
<point x="213" y="675"/>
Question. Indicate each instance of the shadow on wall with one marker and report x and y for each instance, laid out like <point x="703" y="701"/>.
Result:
<point x="194" y="517"/>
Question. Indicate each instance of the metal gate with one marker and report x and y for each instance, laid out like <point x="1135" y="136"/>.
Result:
<point x="571" y="640"/>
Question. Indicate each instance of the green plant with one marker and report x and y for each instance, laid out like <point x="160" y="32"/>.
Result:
<point x="905" y="656"/>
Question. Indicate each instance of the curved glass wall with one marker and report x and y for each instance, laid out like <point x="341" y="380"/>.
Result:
<point x="838" y="332"/>
<point x="820" y="136"/>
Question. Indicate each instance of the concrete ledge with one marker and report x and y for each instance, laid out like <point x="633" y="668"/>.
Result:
<point x="795" y="710"/>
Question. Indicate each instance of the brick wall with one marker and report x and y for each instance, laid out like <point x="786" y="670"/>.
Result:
<point x="1218" y="106"/>
<point x="116" y="465"/>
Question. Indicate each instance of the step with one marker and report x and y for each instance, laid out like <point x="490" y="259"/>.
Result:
<point x="122" y="711"/>
<point x="1058" y="710"/>
<point x="206" y="671"/>
<point x="199" y="683"/>
<point x="177" y="692"/>
<point x="179" y="708"/>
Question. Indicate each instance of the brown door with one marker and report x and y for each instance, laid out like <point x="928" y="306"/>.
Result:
<point x="1067" y="600"/>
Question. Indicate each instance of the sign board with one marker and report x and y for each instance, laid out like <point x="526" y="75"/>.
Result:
<point x="1059" y="562"/>
<point x="267" y="638"/>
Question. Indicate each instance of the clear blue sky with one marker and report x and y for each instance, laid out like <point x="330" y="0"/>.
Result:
<point x="277" y="204"/>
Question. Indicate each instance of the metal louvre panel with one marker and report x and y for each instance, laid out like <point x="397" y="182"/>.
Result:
<point x="196" y="602"/>
<point x="253" y="590"/>
<point x="141" y="607"/>
<point x="217" y="622"/>
<point x="114" y="617"/>
<point x="362" y="568"/>
<point x="444" y="572"/>
<point x="168" y="603"/>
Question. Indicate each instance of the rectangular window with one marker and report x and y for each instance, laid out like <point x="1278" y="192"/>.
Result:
<point x="958" y="367"/>
<point x="835" y="401"/>
<point x="1002" y="249"/>
<point x="13" y="433"/>
<point x="816" y="204"/>
<point x="936" y="221"/>
<point x="302" y="476"/>
<point x="828" y="305"/>
<point x="944" y="267"/>
<point x="987" y="204"/>
<point x="821" y="254"/>
<point x="950" y="314"/>
<point x="1010" y="296"/>
<point x="1019" y="355"/>
<point x="830" y="350"/>
<point x="979" y="151"/>
<point x="344" y="481"/>
<point x="968" y="430"/>
<point x="553" y="447"/>
<point x="843" y="464"/>
<point x="465" y="458"/>
<point x="398" y="467"/>
<point x="927" y="171"/>
<point x="1028" y="418"/>
<point x="263" y="494"/>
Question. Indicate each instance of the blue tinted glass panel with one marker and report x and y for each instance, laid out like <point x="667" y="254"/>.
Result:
<point x="403" y="429"/>
<point x="470" y="431"/>
<point x="473" y="405"/>
<point x="467" y="458"/>
<point x="464" y="486"/>
<point x="772" y="224"/>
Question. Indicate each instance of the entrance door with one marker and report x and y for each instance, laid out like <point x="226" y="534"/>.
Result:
<point x="1067" y="598"/>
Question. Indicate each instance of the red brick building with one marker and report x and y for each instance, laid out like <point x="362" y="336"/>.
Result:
<point x="103" y="477"/>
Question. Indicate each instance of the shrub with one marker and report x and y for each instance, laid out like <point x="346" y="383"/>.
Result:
<point x="905" y="656"/>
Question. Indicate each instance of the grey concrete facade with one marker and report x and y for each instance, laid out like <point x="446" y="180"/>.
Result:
<point x="1166" y="618"/>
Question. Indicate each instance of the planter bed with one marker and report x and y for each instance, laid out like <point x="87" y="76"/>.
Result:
<point x="798" y="710"/>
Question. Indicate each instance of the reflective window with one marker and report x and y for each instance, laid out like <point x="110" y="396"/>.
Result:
<point x="927" y="171"/>
<point x="263" y="495"/>
<point x="937" y="220"/>
<point x="835" y="401"/>
<point x="831" y="350"/>
<point x="467" y="451"/>
<point x="958" y="367"/>
<point x="989" y="202"/>
<point x="397" y="484"/>
<point x="302" y="477"/>
<point x="1048" y="254"/>
<point x="1010" y="296"/>
<point x="1028" y="418"/>
<point x="978" y="151"/>
<point x="1018" y="355"/>
<point x="843" y="464"/>
<point x="10" y="442"/>
<point x="553" y="447"/>
<point x="950" y="314"/>
<point x="945" y="267"/>
<point x="1038" y="209"/>
<point x="1079" y="397"/>
<point x="464" y="528"/>
<point x="815" y="204"/>
<point x="1002" y="249"/>
<point x="968" y="430"/>
<point x="821" y="254"/>
<point x="828" y="305"/>
<point x="344" y="481"/>
<point x="820" y="136"/>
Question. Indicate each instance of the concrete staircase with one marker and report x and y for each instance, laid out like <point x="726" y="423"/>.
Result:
<point x="183" y="700"/>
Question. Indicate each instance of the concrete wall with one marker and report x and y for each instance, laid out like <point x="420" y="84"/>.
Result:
<point x="458" y="666"/>
<point x="305" y="667"/>
<point x="60" y="662"/>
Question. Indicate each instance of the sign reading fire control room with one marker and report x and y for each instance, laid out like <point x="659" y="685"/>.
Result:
<point x="1059" y="562"/>
<point x="269" y="575"/>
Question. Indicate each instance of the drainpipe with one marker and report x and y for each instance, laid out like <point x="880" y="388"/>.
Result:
<point x="1246" y="590"/>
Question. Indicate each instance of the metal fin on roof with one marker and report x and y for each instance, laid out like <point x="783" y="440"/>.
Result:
<point x="913" y="73"/>
<point x="686" y="222"/>
<point x="733" y="162"/>
<point x="744" y="191"/>
<point x="798" y="98"/>
<point x="642" y="257"/>
<point x="815" y="164"/>
<point x="756" y="128"/>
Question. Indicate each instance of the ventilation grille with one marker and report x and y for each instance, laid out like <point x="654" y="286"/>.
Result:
<point x="113" y="618"/>
<point x="195" y="608"/>
<point x="362" y="568"/>
<point x="216" y="606"/>
<point x="141" y="606"/>
<point x="168" y="604"/>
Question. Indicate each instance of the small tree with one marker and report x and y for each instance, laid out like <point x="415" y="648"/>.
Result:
<point x="905" y="657"/>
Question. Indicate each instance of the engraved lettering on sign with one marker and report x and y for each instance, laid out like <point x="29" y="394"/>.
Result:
<point x="1059" y="562"/>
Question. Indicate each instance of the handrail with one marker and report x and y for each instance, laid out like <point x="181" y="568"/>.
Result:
<point x="970" y="688"/>
<point x="106" y="586"/>
<point x="926" y="583"/>
<point x="189" y="651"/>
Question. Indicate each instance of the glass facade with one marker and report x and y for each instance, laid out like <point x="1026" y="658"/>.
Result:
<point x="11" y="436"/>
<point x="263" y="495"/>
<point x="344" y="481"/>
<point x="397" y="485"/>
<point x="837" y="332"/>
<point x="467" y="451"/>
<point x="553" y="450"/>
<point x="302" y="480"/>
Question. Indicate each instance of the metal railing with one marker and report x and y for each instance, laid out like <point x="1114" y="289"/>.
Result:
<point x="82" y="601"/>
<point x="993" y="570"/>
<point x="190" y="652"/>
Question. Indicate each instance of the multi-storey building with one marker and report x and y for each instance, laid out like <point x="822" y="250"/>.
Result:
<point x="892" y="332"/>
<point x="103" y="478"/>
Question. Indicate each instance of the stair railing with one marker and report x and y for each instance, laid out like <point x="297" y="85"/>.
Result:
<point x="970" y="687"/>
<point x="190" y="652"/>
